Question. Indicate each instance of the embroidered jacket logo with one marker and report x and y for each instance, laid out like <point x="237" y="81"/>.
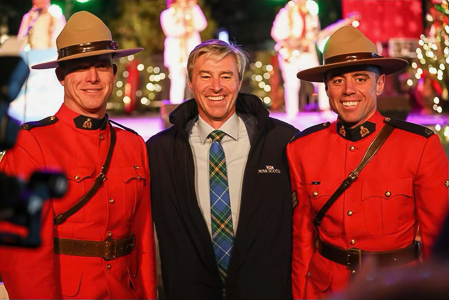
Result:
<point x="269" y="169"/>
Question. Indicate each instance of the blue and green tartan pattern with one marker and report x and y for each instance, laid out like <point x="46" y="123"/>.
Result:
<point x="222" y="229"/>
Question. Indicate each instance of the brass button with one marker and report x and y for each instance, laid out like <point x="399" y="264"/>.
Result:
<point x="138" y="176"/>
<point x="353" y="271"/>
<point x="136" y="167"/>
<point x="101" y="137"/>
<point x="352" y="148"/>
<point x="315" y="193"/>
<point x="52" y="118"/>
<point x="108" y="266"/>
<point x="76" y="177"/>
<point x="111" y="201"/>
<point x="309" y="274"/>
<point x="387" y="193"/>
<point x="109" y="234"/>
<point x="352" y="242"/>
<point x="350" y="212"/>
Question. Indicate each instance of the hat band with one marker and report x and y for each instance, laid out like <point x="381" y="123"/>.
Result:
<point x="350" y="57"/>
<point x="87" y="47"/>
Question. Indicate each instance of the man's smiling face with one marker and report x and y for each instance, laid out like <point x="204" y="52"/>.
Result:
<point x="353" y="93"/>
<point x="215" y="85"/>
<point x="88" y="83"/>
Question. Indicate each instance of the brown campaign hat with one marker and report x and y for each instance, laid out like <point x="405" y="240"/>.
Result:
<point x="348" y="46"/>
<point x="85" y="35"/>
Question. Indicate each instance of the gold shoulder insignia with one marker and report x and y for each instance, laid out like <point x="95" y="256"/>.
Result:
<point x="410" y="127"/>
<point x="44" y="122"/>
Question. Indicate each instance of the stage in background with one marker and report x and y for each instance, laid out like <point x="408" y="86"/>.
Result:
<point x="42" y="94"/>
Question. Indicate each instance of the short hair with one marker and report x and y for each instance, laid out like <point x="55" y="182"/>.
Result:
<point x="217" y="50"/>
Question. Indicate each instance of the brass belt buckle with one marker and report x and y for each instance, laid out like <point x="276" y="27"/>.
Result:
<point x="354" y="258"/>
<point x="111" y="249"/>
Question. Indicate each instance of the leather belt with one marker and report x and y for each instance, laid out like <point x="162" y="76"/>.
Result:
<point x="108" y="249"/>
<point x="353" y="258"/>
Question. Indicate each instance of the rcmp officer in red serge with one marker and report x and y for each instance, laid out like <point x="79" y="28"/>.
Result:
<point x="105" y="249"/>
<point x="380" y="205"/>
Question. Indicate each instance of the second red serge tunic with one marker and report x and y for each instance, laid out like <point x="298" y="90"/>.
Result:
<point x="402" y="188"/>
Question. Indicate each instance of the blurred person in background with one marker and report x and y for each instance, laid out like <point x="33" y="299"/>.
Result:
<point x="181" y="22"/>
<point x="295" y="31"/>
<point x="41" y="26"/>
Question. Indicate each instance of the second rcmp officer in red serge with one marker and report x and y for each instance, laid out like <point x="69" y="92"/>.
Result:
<point x="105" y="250"/>
<point x="379" y="208"/>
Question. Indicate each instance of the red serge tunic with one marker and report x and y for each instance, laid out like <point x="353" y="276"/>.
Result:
<point x="119" y="208"/>
<point x="401" y="188"/>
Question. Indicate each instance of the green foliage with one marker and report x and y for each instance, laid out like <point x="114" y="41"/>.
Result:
<point x="138" y="25"/>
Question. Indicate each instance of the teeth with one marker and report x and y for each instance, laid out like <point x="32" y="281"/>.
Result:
<point x="352" y="103"/>
<point x="216" y="98"/>
<point x="91" y="91"/>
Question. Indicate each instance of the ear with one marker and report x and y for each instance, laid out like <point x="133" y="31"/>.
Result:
<point x="189" y="83"/>
<point x="114" y="69"/>
<point x="380" y="84"/>
<point x="60" y="75"/>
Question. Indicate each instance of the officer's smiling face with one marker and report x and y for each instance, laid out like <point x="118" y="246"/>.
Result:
<point x="88" y="83"/>
<point x="353" y="93"/>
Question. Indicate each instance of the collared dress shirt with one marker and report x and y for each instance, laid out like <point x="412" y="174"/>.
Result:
<point x="236" y="146"/>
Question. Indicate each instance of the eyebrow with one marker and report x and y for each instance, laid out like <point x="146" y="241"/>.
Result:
<point x="210" y="72"/>
<point x="361" y="73"/>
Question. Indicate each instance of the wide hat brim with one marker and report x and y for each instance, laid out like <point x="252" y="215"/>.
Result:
<point x="387" y="66"/>
<point x="349" y="47"/>
<point x="85" y="35"/>
<point x="115" y="54"/>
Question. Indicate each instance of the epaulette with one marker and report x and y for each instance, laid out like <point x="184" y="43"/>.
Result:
<point x="310" y="130"/>
<point x="410" y="127"/>
<point x="44" y="122"/>
<point x="124" y="127"/>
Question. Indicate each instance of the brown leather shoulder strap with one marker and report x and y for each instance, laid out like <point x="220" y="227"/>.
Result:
<point x="370" y="152"/>
<point x="62" y="217"/>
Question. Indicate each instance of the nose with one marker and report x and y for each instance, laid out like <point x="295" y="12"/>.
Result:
<point x="92" y="75"/>
<point x="216" y="85"/>
<point x="349" y="87"/>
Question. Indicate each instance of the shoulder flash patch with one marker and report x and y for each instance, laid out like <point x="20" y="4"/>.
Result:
<point x="310" y="130"/>
<point x="44" y="122"/>
<point x="123" y="127"/>
<point x="410" y="127"/>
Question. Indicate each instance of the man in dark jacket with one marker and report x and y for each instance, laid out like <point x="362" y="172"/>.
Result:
<point x="220" y="236"/>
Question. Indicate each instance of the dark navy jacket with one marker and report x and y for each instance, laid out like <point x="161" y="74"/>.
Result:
<point x="260" y="266"/>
